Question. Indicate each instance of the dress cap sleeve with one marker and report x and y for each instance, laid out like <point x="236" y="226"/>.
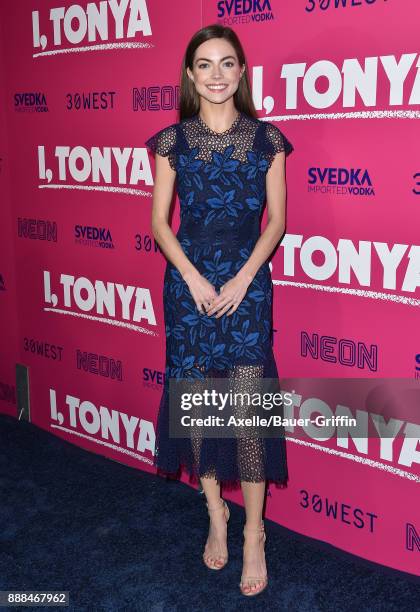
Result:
<point x="276" y="142"/>
<point x="163" y="142"/>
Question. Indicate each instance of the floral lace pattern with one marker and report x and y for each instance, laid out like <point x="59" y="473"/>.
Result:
<point x="221" y="185"/>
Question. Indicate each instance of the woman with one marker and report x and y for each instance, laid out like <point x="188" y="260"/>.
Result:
<point x="227" y="163"/>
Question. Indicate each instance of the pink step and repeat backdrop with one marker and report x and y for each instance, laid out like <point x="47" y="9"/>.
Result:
<point x="84" y="84"/>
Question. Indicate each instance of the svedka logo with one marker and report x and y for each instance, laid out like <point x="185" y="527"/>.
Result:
<point x="30" y="103"/>
<point x="107" y="20"/>
<point x="100" y="237"/>
<point x="231" y="12"/>
<point x="114" y="167"/>
<point x="125" y="433"/>
<point x="153" y="379"/>
<point x="340" y="181"/>
<point x="106" y="302"/>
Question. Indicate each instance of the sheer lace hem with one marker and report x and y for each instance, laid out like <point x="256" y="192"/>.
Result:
<point x="229" y="460"/>
<point x="231" y="483"/>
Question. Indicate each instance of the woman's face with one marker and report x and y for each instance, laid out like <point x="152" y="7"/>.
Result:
<point x="216" y="70"/>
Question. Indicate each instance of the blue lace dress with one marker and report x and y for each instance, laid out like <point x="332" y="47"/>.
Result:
<point x="220" y="182"/>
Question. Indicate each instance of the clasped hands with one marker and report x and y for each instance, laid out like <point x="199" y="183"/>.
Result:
<point x="209" y="302"/>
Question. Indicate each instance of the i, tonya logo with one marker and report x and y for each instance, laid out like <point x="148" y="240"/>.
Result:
<point x="110" y="427"/>
<point x="385" y="439"/>
<point x="103" y="301"/>
<point x="352" y="267"/>
<point x="324" y="83"/>
<point x="340" y="181"/>
<point x="107" y="20"/>
<point x="96" y="168"/>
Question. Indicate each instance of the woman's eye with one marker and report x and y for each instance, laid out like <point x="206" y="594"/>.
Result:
<point x="206" y="64"/>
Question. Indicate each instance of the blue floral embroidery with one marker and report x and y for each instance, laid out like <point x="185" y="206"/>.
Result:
<point x="223" y="167"/>
<point x="184" y="365"/>
<point x="188" y="169"/>
<point x="222" y="206"/>
<point x="256" y="163"/>
<point x="217" y="269"/>
<point x="213" y="353"/>
<point x="245" y="342"/>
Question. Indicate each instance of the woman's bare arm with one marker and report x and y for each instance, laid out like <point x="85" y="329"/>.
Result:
<point x="276" y="217"/>
<point x="162" y="197"/>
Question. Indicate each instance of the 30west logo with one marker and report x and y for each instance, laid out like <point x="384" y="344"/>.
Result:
<point x="91" y="100"/>
<point x="325" y="5"/>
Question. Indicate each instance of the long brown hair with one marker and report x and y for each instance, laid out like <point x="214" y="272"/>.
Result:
<point x="189" y="98"/>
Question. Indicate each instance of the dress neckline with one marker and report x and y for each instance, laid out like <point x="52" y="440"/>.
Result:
<point x="230" y="129"/>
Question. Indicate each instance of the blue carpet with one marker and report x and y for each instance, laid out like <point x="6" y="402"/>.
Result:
<point x="120" y="539"/>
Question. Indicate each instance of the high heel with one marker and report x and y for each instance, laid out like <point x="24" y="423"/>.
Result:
<point x="220" y="558"/>
<point x="249" y="581"/>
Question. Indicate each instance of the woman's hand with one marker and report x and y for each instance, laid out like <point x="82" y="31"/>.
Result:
<point x="202" y="291"/>
<point x="231" y="295"/>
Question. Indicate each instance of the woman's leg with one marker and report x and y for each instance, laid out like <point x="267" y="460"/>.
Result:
<point x="211" y="488"/>
<point x="216" y="545"/>
<point x="253" y="551"/>
<point x="254" y="495"/>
